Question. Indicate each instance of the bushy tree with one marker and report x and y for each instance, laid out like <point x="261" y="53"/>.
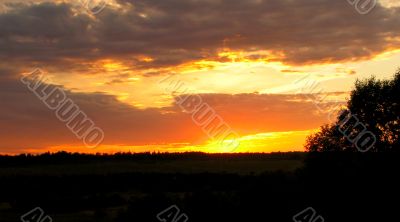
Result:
<point x="372" y="117"/>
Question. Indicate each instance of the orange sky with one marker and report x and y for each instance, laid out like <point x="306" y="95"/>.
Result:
<point x="265" y="68"/>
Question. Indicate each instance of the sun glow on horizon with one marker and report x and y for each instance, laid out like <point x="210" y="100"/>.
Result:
<point x="262" y="142"/>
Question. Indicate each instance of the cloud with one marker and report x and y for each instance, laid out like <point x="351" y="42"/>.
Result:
<point x="150" y="35"/>
<point x="390" y="3"/>
<point x="26" y="123"/>
<point x="173" y="32"/>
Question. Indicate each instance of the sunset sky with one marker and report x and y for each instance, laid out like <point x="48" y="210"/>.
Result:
<point x="273" y="70"/>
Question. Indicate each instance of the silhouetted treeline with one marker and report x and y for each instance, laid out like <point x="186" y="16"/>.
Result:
<point x="67" y="157"/>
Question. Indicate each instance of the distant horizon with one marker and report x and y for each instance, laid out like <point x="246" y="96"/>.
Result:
<point x="149" y="152"/>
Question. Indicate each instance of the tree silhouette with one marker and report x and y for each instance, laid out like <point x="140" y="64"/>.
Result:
<point x="371" y="121"/>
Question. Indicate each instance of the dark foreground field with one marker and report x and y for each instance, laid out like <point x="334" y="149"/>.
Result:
<point x="241" y="187"/>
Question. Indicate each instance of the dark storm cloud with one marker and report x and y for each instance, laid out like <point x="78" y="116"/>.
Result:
<point x="178" y="31"/>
